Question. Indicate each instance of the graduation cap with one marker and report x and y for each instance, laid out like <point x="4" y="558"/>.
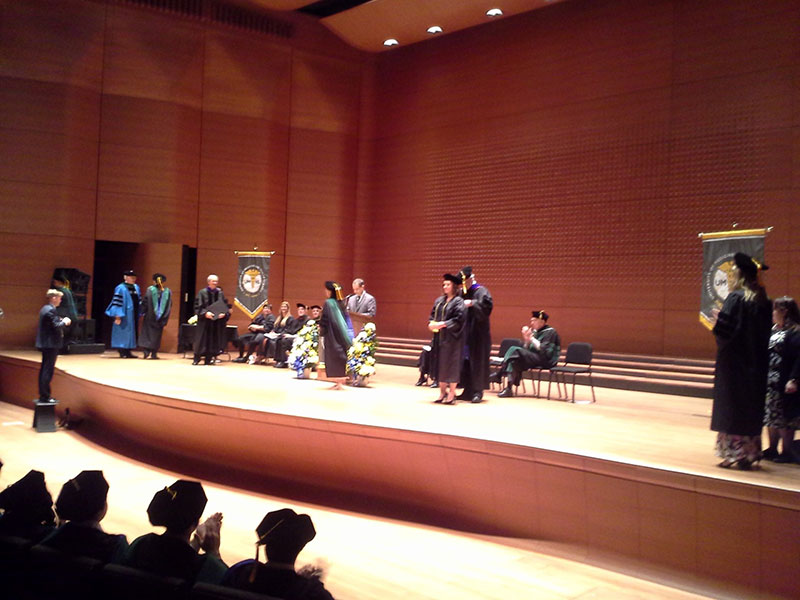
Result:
<point x="748" y="265"/>
<point x="540" y="314"/>
<point x="450" y="277"/>
<point x="130" y="273"/>
<point x="313" y="306"/>
<point x="28" y="496"/>
<point x="178" y="506"/>
<point x="285" y="532"/>
<point x="300" y="305"/>
<point x="157" y="276"/>
<point x="334" y="287"/>
<point x="466" y="272"/>
<point x="83" y="497"/>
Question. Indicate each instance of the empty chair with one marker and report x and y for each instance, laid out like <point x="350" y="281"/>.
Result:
<point x="577" y="361"/>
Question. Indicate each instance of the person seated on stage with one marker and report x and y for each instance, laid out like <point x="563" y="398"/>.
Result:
<point x="314" y="312"/>
<point x="283" y="344"/>
<point x="82" y="505"/>
<point x="283" y="533"/>
<point x="267" y="348"/>
<point x="541" y="348"/>
<point x="260" y="325"/>
<point x="27" y="508"/>
<point x="172" y="554"/>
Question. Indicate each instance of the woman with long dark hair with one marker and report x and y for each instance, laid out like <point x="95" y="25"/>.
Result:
<point x="742" y="331"/>
<point x="782" y="414"/>
<point x="448" y="319"/>
<point x="337" y="339"/>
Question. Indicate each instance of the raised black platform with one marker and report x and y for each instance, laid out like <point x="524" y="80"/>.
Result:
<point x="85" y="348"/>
<point x="658" y="374"/>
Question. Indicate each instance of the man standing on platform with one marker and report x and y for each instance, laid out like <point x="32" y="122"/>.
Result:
<point x="124" y="309"/>
<point x="156" y="307"/>
<point x="541" y="347"/>
<point x="212" y="312"/>
<point x="475" y="370"/>
<point x="68" y="307"/>
<point x="49" y="335"/>
<point x="360" y="305"/>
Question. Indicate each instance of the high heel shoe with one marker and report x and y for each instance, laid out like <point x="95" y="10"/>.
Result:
<point x="440" y="400"/>
<point x="450" y="400"/>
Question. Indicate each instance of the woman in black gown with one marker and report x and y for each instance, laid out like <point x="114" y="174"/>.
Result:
<point x="337" y="339"/>
<point x="742" y="331"/>
<point x="782" y="414"/>
<point x="448" y="318"/>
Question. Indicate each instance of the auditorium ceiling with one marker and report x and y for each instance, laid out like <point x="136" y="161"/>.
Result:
<point x="368" y="24"/>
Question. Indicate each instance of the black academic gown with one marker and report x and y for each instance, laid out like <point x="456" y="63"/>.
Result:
<point x="152" y="324"/>
<point x="275" y="582"/>
<point x="742" y="332"/>
<point x="211" y="336"/>
<point x="336" y="342"/>
<point x="475" y="377"/>
<point x="79" y="539"/>
<point x="451" y="338"/>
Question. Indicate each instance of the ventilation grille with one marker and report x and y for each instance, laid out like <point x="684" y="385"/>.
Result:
<point x="218" y="12"/>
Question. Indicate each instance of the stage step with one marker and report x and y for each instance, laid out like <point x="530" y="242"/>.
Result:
<point x="638" y="372"/>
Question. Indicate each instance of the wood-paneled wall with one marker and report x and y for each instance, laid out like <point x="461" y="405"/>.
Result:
<point x="124" y="124"/>
<point x="571" y="155"/>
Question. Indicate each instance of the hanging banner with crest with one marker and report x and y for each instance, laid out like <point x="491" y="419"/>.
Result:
<point x="718" y="251"/>
<point x="252" y="289"/>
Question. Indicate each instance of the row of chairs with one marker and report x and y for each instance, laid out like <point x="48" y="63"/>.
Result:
<point x="37" y="572"/>
<point x="577" y="361"/>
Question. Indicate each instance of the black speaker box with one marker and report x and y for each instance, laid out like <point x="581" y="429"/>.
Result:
<point x="85" y="348"/>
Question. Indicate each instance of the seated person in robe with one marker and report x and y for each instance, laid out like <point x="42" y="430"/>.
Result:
<point x="260" y="325"/>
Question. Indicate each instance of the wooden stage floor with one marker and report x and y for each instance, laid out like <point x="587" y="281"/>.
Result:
<point x="636" y="428"/>
<point x="384" y="557"/>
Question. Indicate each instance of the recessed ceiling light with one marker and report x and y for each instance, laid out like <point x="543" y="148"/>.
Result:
<point x="494" y="12"/>
<point x="390" y="42"/>
<point x="434" y="29"/>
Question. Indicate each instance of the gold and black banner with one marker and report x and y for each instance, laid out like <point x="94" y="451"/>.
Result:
<point x="252" y="289"/>
<point x="718" y="251"/>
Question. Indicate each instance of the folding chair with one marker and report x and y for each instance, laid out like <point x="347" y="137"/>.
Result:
<point x="578" y="360"/>
<point x="497" y="361"/>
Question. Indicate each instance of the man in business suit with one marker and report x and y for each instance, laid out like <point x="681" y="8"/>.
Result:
<point x="49" y="336"/>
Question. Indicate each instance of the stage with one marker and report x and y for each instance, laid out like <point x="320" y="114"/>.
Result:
<point x="632" y="476"/>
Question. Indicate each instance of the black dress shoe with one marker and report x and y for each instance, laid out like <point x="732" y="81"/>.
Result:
<point x="506" y="393"/>
<point x="146" y="354"/>
<point x="153" y="356"/>
<point x="131" y="355"/>
<point x="434" y="384"/>
<point x="784" y="457"/>
<point x="421" y="381"/>
<point x="241" y="359"/>
<point x="280" y="365"/>
<point x="477" y="398"/>
<point x="195" y="362"/>
<point x="770" y="454"/>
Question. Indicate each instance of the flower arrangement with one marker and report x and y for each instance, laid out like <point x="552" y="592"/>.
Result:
<point x="361" y="354"/>
<point x="305" y="351"/>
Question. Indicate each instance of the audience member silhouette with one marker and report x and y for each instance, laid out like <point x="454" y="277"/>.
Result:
<point x="283" y="533"/>
<point x="178" y="508"/>
<point x="82" y="504"/>
<point x="27" y="508"/>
